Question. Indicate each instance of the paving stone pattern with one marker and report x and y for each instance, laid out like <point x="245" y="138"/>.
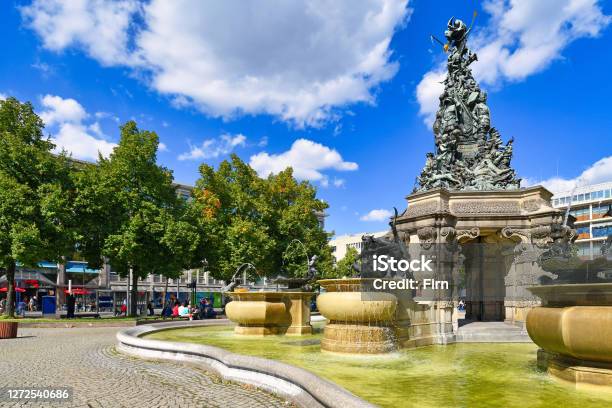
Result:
<point x="85" y="359"/>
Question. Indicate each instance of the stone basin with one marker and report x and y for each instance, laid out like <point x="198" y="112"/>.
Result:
<point x="270" y="313"/>
<point x="573" y="327"/>
<point x="360" y="321"/>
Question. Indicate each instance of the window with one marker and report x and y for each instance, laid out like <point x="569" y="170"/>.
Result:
<point x="582" y="230"/>
<point x="603" y="231"/>
<point x="607" y="193"/>
<point x="580" y="197"/>
<point x="556" y="202"/>
<point x="600" y="194"/>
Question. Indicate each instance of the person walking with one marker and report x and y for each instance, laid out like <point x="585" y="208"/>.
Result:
<point x="70" y="305"/>
<point x="150" y="308"/>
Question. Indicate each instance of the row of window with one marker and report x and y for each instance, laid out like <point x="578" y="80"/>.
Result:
<point x="599" y="211"/>
<point x="602" y="231"/>
<point x="593" y="195"/>
<point x="356" y="245"/>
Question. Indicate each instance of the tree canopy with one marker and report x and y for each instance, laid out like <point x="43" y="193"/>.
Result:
<point x="31" y="181"/>
<point x="245" y="218"/>
<point x="133" y="198"/>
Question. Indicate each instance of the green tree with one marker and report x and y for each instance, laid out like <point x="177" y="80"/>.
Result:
<point x="142" y="227"/>
<point x="244" y="218"/>
<point x="29" y="175"/>
<point x="344" y="267"/>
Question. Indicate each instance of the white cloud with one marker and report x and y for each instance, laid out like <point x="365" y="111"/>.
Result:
<point x="296" y="60"/>
<point x="339" y="182"/>
<point x="523" y="37"/>
<point x="213" y="148"/>
<point x="100" y="27"/>
<point x="3" y="96"/>
<point x="263" y="142"/>
<point x="377" y="215"/>
<point x="163" y="147"/>
<point x="598" y="172"/>
<point x="60" y="110"/>
<point x="75" y="138"/>
<point x="307" y="158"/>
<point x="67" y="118"/>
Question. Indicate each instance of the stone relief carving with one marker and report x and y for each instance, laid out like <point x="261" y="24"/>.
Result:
<point x="448" y="234"/>
<point x="522" y="233"/>
<point x="426" y="208"/>
<point x="471" y="233"/>
<point x="427" y="236"/>
<point x="533" y="205"/>
<point x="486" y="207"/>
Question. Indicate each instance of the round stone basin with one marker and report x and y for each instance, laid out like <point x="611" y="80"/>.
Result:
<point x="573" y="327"/>
<point x="360" y="321"/>
<point x="270" y="313"/>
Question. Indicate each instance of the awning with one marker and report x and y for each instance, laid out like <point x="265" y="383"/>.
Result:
<point x="78" y="291"/>
<point x="20" y="290"/>
<point x="79" y="267"/>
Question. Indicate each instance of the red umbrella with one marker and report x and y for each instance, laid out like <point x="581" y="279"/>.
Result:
<point x="78" y="291"/>
<point x="20" y="290"/>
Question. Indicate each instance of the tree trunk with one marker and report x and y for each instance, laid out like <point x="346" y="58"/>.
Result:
<point x="134" y="297"/>
<point x="60" y="295"/>
<point x="10" y="294"/>
<point x="165" y="294"/>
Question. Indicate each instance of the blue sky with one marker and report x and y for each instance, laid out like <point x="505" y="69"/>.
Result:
<point x="341" y="90"/>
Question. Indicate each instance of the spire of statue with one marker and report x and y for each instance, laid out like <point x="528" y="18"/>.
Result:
<point x="470" y="154"/>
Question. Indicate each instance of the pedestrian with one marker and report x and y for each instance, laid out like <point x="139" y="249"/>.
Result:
<point x="150" y="308"/>
<point x="175" y="309"/>
<point x="202" y="309"/>
<point x="70" y="305"/>
<point x="124" y="309"/>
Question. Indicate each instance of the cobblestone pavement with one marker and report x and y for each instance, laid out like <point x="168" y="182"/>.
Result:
<point x="85" y="359"/>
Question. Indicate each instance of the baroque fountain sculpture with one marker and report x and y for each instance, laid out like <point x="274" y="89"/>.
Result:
<point x="469" y="154"/>
<point x="468" y="211"/>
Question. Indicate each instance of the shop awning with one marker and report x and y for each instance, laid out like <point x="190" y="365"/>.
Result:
<point x="20" y="290"/>
<point x="78" y="291"/>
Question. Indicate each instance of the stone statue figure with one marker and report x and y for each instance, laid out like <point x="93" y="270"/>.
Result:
<point x="469" y="153"/>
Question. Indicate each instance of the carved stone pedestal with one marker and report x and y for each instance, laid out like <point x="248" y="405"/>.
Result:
<point x="270" y="313"/>
<point x="494" y="239"/>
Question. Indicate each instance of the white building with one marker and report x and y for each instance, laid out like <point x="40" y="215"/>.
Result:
<point x="591" y="205"/>
<point x="343" y="242"/>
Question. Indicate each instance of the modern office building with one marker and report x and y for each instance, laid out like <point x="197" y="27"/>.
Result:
<point x="591" y="205"/>
<point x="342" y="243"/>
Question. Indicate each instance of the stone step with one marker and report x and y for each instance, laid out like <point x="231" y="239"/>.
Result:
<point x="491" y="332"/>
<point x="493" y="338"/>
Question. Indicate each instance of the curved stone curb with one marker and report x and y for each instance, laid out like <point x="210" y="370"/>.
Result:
<point x="295" y="384"/>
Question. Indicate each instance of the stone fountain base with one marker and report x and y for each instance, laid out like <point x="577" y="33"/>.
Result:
<point x="359" y="322"/>
<point x="574" y="331"/>
<point x="270" y="313"/>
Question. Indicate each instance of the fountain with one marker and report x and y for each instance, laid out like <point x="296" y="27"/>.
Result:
<point x="573" y="327"/>
<point x="359" y="322"/>
<point x="272" y="313"/>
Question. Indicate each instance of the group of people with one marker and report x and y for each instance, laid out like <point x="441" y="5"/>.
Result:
<point x="176" y="309"/>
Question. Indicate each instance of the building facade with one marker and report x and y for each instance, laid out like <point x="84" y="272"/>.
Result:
<point x="342" y="243"/>
<point x="591" y="205"/>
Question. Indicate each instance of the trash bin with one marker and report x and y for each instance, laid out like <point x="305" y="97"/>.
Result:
<point x="48" y="306"/>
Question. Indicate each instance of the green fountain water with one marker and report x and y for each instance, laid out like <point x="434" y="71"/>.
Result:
<point x="460" y="375"/>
